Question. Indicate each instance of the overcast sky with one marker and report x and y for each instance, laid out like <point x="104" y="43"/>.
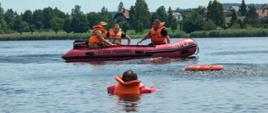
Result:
<point x="96" y="5"/>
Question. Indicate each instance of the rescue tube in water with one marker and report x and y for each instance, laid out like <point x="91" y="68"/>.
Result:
<point x="204" y="68"/>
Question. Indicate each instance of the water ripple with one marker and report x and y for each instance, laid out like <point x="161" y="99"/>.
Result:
<point x="36" y="58"/>
<point x="240" y="52"/>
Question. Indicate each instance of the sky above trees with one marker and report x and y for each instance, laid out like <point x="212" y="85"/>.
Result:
<point x="96" y="5"/>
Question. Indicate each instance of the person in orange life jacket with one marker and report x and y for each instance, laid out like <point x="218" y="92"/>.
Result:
<point x="115" y="35"/>
<point x="158" y="34"/>
<point x="129" y="84"/>
<point x="97" y="38"/>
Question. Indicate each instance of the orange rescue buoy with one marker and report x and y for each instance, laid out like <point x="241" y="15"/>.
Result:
<point x="204" y="68"/>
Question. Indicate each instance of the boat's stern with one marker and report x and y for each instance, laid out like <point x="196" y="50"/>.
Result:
<point x="181" y="48"/>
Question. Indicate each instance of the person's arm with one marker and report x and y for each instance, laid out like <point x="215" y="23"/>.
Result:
<point x="148" y="89"/>
<point x="110" y="89"/>
<point x="168" y="39"/>
<point x="144" y="38"/>
<point x="164" y="33"/>
<point x="99" y="35"/>
<point x="128" y="39"/>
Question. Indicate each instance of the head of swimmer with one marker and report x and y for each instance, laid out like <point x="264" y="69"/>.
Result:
<point x="129" y="75"/>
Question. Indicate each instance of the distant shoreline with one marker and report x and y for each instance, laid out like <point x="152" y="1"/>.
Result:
<point x="229" y="33"/>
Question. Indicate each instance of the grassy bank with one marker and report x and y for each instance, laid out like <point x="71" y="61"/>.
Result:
<point x="42" y="36"/>
<point x="231" y="33"/>
<point x="67" y="36"/>
<point x="178" y="34"/>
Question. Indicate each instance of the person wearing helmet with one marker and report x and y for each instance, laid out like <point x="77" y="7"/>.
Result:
<point x="97" y="38"/>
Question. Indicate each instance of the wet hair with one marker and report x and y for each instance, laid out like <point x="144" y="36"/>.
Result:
<point x="116" y="26"/>
<point x="157" y="21"/>
<point x="129" y="75"/>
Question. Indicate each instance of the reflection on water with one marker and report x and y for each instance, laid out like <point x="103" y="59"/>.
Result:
<point x="158" y="60"/>
<point x="35" y="58"/>
<point x="129" y="102"/>
<point x="252" y="52"/>
<point x="129" y="106"/>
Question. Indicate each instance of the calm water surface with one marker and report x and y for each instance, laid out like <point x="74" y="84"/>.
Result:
<point x="34" y="79"/>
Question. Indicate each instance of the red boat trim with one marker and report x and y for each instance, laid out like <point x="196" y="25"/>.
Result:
<point x="167" y="51"/>
<point x="147" y="54"/>
<point x="119" y="46"/>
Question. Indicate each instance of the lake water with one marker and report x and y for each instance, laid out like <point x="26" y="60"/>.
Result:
<point x="34" y="79"/>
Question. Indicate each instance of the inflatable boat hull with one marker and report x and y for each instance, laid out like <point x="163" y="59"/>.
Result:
<point x="179" y="49"/>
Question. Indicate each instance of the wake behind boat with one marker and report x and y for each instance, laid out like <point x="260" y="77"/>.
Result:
<point x="179" y="49"/>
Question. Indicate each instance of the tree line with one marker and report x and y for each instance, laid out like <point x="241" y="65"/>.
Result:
<point x="214" y="17"/>
<point x="77" y="21"/>
<point x="201" y="18"/>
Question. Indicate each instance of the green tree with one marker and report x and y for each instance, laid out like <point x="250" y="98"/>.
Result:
<point x="120" y="7"/>
<point x="152" y="18"/>
<point x="242" y="23"/>
<point x="38" y="19"/>
<point x="20" y="25"/>
<point x="107" y="17"/>
<point x="140" y="28"/>
<point x="264" y="21"/>
<point x="209" y="25"/>
<point x="201" y="10"/>
<point x="104" y="14"/>
<point x="209" y="10"/>
<point x="3" y="26"/>
<point x="79" y="22"/>
<point x="67" y="24"/>
<point x="59" y="13"/>
<point x="169" y="17"/>
<point x="243" y="8"/>
<point x="171" y="20"/>
<point x="132" y="18"/>
<point x="142" y="15"/>
<point x="161" y="14"/>
<point x="251" y="16"/>
<point x="57" y="24"/>
<point x="174" y="24"/>
<point x="193" y="22"/>
<point x="47" y="16"/>
<point x="215" y="13"/>
<point x="234" y="17"/>
<point x="124" y="25"/>
<point x="93" y="19"/>
<point x="27" y="16"/>
<point x="10" y="18"/>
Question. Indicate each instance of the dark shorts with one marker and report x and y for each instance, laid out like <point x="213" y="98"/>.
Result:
<point x="96" y="45"/>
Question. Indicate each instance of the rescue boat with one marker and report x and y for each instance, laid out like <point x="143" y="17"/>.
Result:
<point x="179" y="49"/>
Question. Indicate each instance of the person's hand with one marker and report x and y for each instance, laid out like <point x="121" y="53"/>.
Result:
<point x="111" y="44"/>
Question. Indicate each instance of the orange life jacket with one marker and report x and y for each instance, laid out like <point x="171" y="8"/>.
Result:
<point x="114" y="35"/>
<point x="156" y="36"/>
<point x="131" y="87"/>
<point x="94" y="38"/>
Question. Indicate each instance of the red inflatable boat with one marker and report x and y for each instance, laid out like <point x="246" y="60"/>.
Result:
<point x="81" y="53"/>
